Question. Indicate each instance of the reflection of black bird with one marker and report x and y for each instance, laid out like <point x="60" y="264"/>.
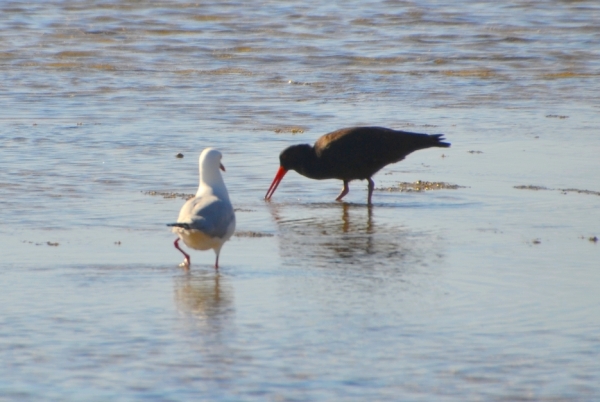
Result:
<point x="346" y="227"/>
<point x="342" y="235"/>
<point x="352" y="153"/>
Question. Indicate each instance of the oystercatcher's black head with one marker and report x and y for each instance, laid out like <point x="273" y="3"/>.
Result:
<point x="294" y="157"/>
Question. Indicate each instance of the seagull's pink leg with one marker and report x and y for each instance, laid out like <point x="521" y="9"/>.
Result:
<point x="344" y="191"/>
<point x="186" y="261"/>
<point x="217" y="262"/>
<point x="371" y="187"/>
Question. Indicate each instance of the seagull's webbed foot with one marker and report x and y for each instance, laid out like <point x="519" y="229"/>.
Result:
<point x="185" y="264"/>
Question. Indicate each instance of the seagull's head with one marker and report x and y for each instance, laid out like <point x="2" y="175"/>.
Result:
<point x="210" y="161"/>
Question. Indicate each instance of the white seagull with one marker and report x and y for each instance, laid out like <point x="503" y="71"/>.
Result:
<point x="207" y="220"/>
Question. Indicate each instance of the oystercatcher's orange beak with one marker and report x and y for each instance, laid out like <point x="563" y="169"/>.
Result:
<point x="280" y="173"/>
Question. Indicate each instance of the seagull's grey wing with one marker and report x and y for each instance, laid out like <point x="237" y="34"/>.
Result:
<point x="209" y="215"/>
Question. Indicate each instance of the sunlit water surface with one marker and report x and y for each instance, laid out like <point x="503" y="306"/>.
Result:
<point x="484" y="292"/>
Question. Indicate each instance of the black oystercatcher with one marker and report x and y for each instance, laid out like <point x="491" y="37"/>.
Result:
<point x="352" y="153"/>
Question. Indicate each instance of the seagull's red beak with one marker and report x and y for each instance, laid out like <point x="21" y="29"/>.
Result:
<point x="280" y="173"/>
<point x="221" y="167"/>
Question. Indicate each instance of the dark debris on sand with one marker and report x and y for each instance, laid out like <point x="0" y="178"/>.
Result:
<point x="49" y="243"/>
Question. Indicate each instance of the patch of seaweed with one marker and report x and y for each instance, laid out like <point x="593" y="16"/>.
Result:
<point x="169" y="194"/>
<point x="292" y="130"/>
<point x="532" y="187"/>
<point x="562" y="190"/>
<point x="249" y="233"/>
<point x="576" y="190"/>
<point x="420" y="186"/>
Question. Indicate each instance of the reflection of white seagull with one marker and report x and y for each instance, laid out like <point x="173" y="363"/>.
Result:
<point x="207" y="220"/>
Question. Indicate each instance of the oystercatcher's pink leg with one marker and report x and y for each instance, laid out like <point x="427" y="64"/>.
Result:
<point x="344" y="191"/>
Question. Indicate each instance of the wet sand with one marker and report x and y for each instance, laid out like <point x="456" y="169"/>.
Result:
<point x="473" y="276"/>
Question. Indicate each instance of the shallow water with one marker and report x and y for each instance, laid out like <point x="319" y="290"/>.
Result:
<point x="484" y="292"/>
